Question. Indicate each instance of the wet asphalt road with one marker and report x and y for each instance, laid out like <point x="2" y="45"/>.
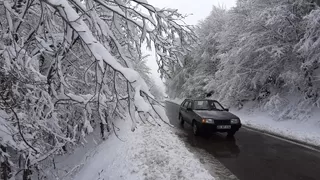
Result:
<point x="250" y="155"/>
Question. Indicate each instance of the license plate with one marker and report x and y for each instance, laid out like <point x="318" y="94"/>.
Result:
<point x="224" y="127"/>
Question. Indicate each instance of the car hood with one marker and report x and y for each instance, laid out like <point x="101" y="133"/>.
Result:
<point x="218" y="115"/>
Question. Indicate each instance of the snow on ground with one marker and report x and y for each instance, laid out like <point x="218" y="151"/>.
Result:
<point x="67" y="165"/>
<point x="304" y="131"/>
<point x="150" y="152"/>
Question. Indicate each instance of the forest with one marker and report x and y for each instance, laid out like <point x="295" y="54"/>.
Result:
<point x="262" y="51"/>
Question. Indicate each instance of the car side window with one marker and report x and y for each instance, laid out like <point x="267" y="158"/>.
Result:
<point x="183" y="104"/>
<point x="189" y="105"/>
<point x="186" y="104"/>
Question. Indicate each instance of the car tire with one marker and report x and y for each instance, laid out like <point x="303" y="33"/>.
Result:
<point x="231" y="133"/>
<point x="195" y="128"/>
<point x="181" y="121"/>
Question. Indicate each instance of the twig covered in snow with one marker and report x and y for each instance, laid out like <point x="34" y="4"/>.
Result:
<point x="19" y="125"/>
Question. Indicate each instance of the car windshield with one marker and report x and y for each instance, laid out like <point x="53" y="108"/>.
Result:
<point x="207" y="105"/>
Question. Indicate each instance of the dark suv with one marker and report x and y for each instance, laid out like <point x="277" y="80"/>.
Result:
<point x="208" y="115"/>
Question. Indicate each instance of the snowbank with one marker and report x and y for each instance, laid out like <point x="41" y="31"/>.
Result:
<point x="67" y="165"/>
<point x="151" y="152"/>
<point x="307" y="131"/>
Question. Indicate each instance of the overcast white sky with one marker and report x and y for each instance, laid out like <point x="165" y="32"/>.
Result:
<point x="199" y="9"/>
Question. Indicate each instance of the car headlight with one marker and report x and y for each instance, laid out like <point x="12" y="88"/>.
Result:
<point x="235" y="121"/>
<point x="211" y="121"/>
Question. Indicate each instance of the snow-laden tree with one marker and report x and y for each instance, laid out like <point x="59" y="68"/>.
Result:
<point x="261" y="50"/>
<point x="264" y="37"/>
<point x="200" y="65"/>
<point x="308" y="48"/>
<point x="69" y="66"/>
<point x="258" y="51"/>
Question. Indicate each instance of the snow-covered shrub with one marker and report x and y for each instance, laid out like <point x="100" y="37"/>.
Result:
<point x="276" y="104"/>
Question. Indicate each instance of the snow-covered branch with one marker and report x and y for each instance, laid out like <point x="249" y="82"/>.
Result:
<point x="70" y="67"/>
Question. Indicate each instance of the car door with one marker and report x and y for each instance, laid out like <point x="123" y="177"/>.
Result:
<point x="183" y="109"/>
<point x="189" y="113"/>
<point x="192" y="114"/>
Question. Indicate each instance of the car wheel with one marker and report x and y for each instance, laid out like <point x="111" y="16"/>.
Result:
<point x="231" y="133"/>
<point x="181" y="121"/>
<point x="195" y="128"/>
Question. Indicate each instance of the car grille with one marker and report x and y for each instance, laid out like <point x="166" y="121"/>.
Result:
<point x="222" y="122"/>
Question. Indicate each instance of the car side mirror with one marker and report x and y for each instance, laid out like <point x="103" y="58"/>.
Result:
<point x="189" y="109"/>
<point x="226" y="109"/>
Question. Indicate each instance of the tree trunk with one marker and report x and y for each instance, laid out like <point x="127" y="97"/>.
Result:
<point x="27" y="172"/>
<point x="102" y="130"/>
